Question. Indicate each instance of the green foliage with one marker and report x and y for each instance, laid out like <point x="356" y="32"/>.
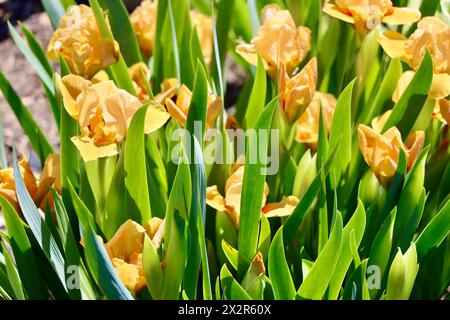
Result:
<point x="206" y="230"/>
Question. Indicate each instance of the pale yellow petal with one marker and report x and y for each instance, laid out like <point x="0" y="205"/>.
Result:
<point x="127" y="240"/>
<point x="440" y="87"/>
<point x="131" y="275"/>
<point x="89" y="151"/>
<point x="169" y="89"/>
<point x="283" y="208"/>
<point x="393" y="43"/>
<point x="71" y="87"/>
<point x="213" y="112"/>
<point x="414" y="146"/>
<point x="402" y="16"/>
<point x="379" y="122"/>
<point x="334" y="11"/>
<point x="176" y="112"/>
<point x="402" y="84"/>
<point x="28" y="176"/>
<point x="100" y="76"/>
<point x="248" y="52"/>
<point x="156" y="117"/>
<point x="214" y="199"/>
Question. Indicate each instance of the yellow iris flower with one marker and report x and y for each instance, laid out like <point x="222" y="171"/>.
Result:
<point x="143" y="20"/>
<point x="382" y="151"/>
<point x="366" y="15"/>
<point x="125" y="251"/>
<point x="79" y="41"/>
<point x="308" y="123"/>
<point x="179" y="108"/>
<point x="231" y="203"/>
<point x="38" y="189"/>
<point x="104" y="113"/>
<point x="278" y="42"/>
<point x="431" y="34"/>
<point x="296" y="93"/>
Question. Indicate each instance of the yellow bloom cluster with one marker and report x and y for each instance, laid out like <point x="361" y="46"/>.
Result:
<point x="231" y="203"/>
<point x="279" y="42"/>
<point x="125" y="251"/>
<point x="78" y="40"/>
<point x="366" y="15"/>
<point x="143" y="20"/>
<point x="104" y="113"/>
<point x="308" y="124"/>
<point x="38" y="189"/>
<point x="382" y="151"/>
<point x="431" y="34"/>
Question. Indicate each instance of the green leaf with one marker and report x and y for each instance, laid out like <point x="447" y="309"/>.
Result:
<point x="178" y="208"/>
<point x="37" y="138"/>
<point x="232" y="290"/>
<point x="3" y="159"/>
<point x="38" y="226"/>
<point x="197" y="108"/>
<point x="119" y="70"/>
<point x="69" y="154"/>
<point x="356" y="285"/>
<point x="116" y="203"/>
<point x="232" y="255"/>
<point x="402" y="274"/>
<point x="13" y="275"/>
<point x="280" y="276"/>
<point x="176" y="257"/>
<point x="152" y="268"/>
<point x="197" y="221"/>
<point x="196" y="51"/>
<point x="156" y="175"/>
<point x="434" y="233"/>
<point x="36" y="49"/>
<point x="138" y="199"/>
<point x="406" y="111"/>
<point x="122" y="30"/>
<point x="384" y="93"/>
<point x="254" y="16"/>
<point x="382" y="246"/>
<point x="357" y="223"/>
<point x="316" y="282"/>
<point x="253" y="186"/>
<point x="70" y="246"/>
<point x="341" y="130"/>
<point x="96" y="255"/>
<point x="23" y="253"/>
<point x="55" y="11"/>
<point x="32" y="58"/>
<point x="258" y="96"/>
<point x="294" y="220"/>
<point x="410" y="195"/>
<point x="264" y="237"/>
<point x="221" y="28"/>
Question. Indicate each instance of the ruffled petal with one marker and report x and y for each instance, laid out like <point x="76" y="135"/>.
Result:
<point x="402" y="84"/>
<point x="402" y="16"/>
<point x="393" y="43"/>
<point x="440" y="87"/>
<point x="127" y="241"/>
<point x="283" y="208"/>
<point x="176" y="112"/>
<point x="333" y="10"/>
<point x="214" y="199"/>
<point x="248" y="52"/>
<point x="156" y="117"/>
<point x="89" y="151"/>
